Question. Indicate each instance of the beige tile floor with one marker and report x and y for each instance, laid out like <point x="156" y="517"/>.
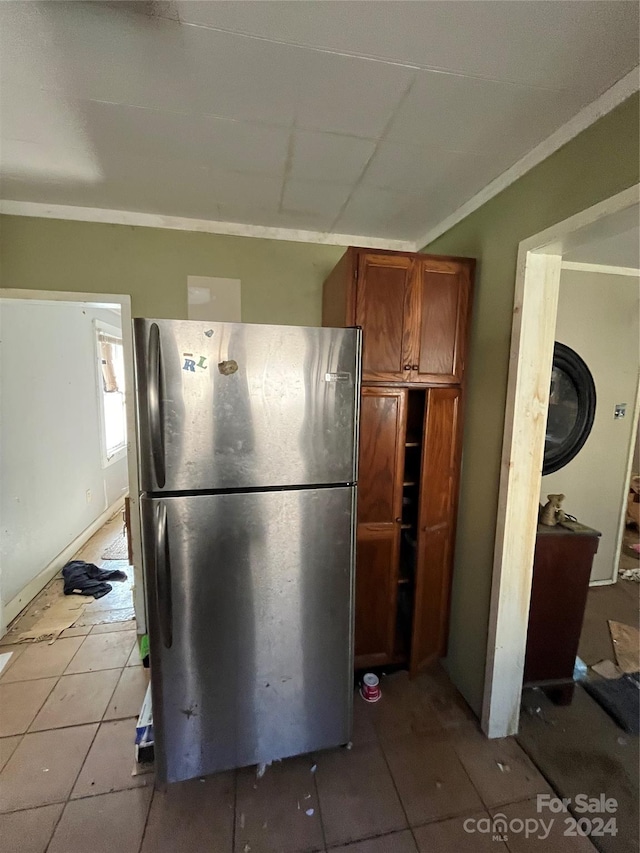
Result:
<point x="418" y="767"/>
<point x="67" y="783"/>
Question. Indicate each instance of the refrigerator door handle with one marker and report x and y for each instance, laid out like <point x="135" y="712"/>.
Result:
<point x="163" y="577"/>
<point x="156" y="419"/>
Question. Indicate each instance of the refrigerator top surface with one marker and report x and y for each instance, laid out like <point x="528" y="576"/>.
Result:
<point x="241" y="406"/>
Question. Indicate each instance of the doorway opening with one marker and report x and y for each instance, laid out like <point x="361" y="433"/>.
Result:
<point x="582" y="745"/>
<point x="539" y="268"/>
<point x="69" y="466"/>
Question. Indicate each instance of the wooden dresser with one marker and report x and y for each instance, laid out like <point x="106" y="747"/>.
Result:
<point x="561" y="572"/>
<point x="414" y="312"/>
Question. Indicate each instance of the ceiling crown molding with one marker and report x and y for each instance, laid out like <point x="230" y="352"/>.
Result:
<point x="208" y="226"/>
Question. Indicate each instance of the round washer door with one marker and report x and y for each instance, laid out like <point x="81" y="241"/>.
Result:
<point x="572" y="408"/>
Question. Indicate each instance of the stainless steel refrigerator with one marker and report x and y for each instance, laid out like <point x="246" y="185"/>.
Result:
<point x="248" y="467"/>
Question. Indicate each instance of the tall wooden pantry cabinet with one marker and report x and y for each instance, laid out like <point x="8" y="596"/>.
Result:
<point x="414" y="311"/>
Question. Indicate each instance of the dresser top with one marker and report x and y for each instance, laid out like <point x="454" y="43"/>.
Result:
<point x="568" y="528"/>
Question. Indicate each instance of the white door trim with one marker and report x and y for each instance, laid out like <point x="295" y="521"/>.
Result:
<point x="124" y="301"/>
<point x="625" y="486"/>
<point x="533" y="332"/>
<point x="605" y="269"/>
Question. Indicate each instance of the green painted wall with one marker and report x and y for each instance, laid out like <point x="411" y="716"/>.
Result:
<point x="281" y="281"/>
<point x="600" y="162"/>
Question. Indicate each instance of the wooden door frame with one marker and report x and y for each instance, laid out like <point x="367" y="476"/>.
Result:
<point x="533" y="332"/>
<point x="124" y="301"/>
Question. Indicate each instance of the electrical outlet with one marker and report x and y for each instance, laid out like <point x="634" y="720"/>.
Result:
<point x="620" y="411"/>
<point x="89" y="496"/>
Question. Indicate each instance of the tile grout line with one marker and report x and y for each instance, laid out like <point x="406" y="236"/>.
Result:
<point x="380" y="746"/>
<point x="538" y="768"/>
<point x="102" y="634"/>
<point x="148" y="815"/>
<point x="473" y="785"/>
<point x="235" y="806"/>
<point x="62" y="675"/>
<point x="53" y="686"/>
<point x="74" y="725"/>
<point x="80" y="799"/>
<point x="77" y="652"/>
<point x="485" y="806"/>
<point x="315" y="786"/>
<point x="16" y="747"/>
<point x="366" y="838"/>
<point x="75" y="781"/>
<point x="395" y="788"/>
<point x="439" y="819"/>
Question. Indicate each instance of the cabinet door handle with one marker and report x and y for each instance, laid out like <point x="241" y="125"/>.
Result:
<point x="407" y="367"/>
<point x="398" y="521"/>
<point x="414" y="367"/>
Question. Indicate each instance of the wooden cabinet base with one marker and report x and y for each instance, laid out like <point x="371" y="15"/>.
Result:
<point x="409" y="452"/>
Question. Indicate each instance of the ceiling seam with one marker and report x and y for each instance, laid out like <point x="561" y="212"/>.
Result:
<point x="411" y="66"/>
<point x="380" y="139"/>
<point x="288" y="163"/>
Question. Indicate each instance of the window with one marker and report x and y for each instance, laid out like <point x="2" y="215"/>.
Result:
<point x="111" y="392"/>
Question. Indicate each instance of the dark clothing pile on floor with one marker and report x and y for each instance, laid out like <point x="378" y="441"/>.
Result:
<point x="620" y="698"/>
<point x="82" y="578"/>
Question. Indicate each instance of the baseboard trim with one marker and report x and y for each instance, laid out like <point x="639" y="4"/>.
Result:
<point x="22" y="600"/>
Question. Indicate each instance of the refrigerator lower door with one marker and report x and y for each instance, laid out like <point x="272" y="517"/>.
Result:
<point x="250" y="603"/>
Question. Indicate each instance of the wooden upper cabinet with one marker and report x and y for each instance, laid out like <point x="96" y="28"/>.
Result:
<point x="383" y="297"/>
<point x="439" y="334"/>
<point x="338" y="293"/>
<point x="436" y="525"/>
<point x="413" y="310"/>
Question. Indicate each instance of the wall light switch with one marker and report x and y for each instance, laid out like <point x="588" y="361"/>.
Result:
<point x="620" y="411"/>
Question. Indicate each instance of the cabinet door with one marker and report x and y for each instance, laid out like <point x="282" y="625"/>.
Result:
<point x="382" y="300"/>
<point x="439" y="332"/>
<point x="436" y="531"/>
<point x="382" y="430"/>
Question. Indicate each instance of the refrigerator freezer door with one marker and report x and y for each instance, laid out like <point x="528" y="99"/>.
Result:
<point x="232" y="405"/>
<point x="250" y="601"/>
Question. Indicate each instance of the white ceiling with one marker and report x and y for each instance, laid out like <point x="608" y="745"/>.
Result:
<point x="366" y="118"/>
<point x="613" y="241"/>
